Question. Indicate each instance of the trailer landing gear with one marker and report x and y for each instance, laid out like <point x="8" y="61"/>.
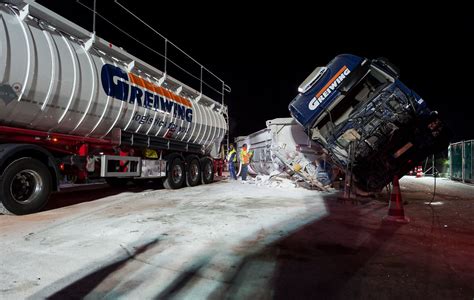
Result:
<point x="117" y="182"/>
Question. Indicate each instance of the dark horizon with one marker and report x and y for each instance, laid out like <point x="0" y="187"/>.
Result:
<point x="264" y="54"/>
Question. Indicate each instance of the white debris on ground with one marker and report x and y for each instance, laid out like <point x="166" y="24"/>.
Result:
<point x="142" y="244"/>
<point x="275" y="180"/>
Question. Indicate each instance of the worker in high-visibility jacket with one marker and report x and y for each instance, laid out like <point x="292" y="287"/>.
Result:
<point x="231" y="160"/>
<point x="245" y="157"/>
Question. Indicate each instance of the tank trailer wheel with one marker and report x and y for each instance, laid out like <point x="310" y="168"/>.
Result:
<point x="26" y="186"/>
<point x="207" y="168"/>
<point x="176" y="175"/>
<point x="193" y="172"/>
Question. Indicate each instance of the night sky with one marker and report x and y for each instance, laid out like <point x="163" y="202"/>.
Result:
<point x="264" y="52"/>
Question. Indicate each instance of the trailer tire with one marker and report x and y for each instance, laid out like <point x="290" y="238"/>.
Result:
<point x="25" y="186"/>
<point x="193" y="172"/>
<point x="175" y="176"/>
<point x="207" y="170"/>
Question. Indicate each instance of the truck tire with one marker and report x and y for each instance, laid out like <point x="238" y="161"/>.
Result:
<point x="193" y="172"/>
<point x="176" y="175"/>
<point x="207" y="170"/>
<point x="117" y="182"/>
<point x="25" y="186"/>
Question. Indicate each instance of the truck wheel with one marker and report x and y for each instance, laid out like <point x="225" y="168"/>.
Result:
<point x="117" y="182"/>
<point x="175" y="177"/>
<point x="193" y="173"/>
<point x="207" y="168"/>
<point x="26" y="186"/>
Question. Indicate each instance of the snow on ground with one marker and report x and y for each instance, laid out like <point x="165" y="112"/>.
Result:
<point x="148" y="243"/>
<point x="443" y="185"/>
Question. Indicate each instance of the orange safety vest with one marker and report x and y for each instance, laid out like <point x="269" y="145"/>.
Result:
<point x="244" y="157"/>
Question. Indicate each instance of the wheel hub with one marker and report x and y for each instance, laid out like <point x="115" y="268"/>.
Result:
<point x="177" y="173"/>
<point x="194" y="171"/>
<point x="26" y="186"/>
<point x="208" y="170"/>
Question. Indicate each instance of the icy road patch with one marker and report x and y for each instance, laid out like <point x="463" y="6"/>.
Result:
<point x="186" y="243"/>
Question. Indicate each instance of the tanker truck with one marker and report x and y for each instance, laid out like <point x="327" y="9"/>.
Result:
<point x="74" y="104"/>
<point x="369" y="123"/>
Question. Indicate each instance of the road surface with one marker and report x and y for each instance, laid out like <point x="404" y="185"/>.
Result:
<point x="240" y="240"/>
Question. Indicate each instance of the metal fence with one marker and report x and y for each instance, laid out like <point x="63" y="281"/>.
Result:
<point x="461" y="164"/>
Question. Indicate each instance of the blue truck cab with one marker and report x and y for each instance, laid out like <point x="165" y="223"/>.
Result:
<point x="358" y="103"/>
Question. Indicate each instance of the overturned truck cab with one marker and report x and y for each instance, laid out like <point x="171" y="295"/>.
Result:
<point x="364" y="116"/>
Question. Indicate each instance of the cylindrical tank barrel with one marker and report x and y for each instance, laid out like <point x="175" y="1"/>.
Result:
<point x="51" y="81"/>
<point x="283" y="135"/>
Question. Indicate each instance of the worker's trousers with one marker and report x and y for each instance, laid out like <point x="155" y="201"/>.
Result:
<point x="232" y="171"/>
<point x="244" y="170"/>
